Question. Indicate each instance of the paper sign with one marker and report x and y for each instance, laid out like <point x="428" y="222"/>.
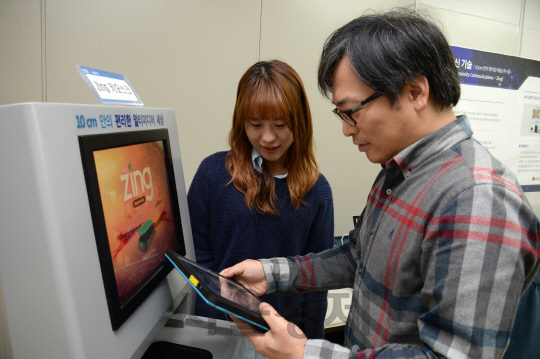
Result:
<point x="110" y="87"/>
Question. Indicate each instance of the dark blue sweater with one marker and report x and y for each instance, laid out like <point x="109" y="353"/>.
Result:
<point x="226" y="232"/>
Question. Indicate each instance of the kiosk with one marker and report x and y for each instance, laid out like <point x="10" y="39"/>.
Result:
<point x="91" y="198"/>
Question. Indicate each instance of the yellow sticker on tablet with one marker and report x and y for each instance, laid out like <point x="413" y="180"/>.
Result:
<point x="193" y="280"/>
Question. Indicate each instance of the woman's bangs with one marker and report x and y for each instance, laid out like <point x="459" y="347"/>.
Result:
<point x="264" y="103"/>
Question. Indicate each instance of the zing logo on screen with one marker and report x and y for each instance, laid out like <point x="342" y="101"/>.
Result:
<point x="136" y="181"/>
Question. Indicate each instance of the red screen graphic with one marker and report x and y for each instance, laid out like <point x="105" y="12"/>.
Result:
<point x="137" y="209"/>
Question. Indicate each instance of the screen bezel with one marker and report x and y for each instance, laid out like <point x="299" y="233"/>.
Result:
<point x="119" y="312"/>
<point x="214" y="299"/>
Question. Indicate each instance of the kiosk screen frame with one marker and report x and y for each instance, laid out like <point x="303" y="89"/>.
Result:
<point x="145" y="259"/>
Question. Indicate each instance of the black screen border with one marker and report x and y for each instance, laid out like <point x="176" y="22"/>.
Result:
<point x="119" y="312"/>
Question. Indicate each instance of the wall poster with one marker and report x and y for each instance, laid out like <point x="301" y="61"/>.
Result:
<point x="500" y="95"/>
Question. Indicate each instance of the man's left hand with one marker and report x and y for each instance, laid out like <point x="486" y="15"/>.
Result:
<point x="284" y="340"/>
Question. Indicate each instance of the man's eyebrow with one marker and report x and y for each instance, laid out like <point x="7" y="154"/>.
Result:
<point x="342" y="101"/>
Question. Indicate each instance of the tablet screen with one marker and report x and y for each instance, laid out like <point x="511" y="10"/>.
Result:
<point x="222" y="293"/>
<point x="224" y="287"/>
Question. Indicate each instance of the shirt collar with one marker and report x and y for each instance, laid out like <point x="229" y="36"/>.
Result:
<point x="257" y="160"/>
<point x="413" y="156"/>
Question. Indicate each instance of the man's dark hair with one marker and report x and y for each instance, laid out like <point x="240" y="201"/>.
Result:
<point x="389" y="50"/>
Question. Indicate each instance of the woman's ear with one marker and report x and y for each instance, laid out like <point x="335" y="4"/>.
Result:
<point x="418" y="92"/>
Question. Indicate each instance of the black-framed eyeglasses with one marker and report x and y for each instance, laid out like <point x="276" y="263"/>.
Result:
<point x="347" y="114"/>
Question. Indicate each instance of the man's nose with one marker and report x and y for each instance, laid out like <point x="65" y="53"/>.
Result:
<point x="347" y="129"/>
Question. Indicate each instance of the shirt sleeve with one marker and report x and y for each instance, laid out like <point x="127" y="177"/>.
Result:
<point x="316" y="349"/>
<point x="331" y="269"/>
<point x="277" y="272"/>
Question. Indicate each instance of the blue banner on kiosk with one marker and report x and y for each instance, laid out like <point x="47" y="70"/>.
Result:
<point x="110" y="87"/>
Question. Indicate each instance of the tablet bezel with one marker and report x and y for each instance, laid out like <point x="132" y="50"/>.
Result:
<point x="214" y="299"/>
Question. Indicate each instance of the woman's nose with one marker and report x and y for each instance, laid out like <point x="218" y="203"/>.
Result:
<point x="268" y="135"/>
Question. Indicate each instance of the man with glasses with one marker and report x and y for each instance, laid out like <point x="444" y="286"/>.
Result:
<point x="446" y="243"/>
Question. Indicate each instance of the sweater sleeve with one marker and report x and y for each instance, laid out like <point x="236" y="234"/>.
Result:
<point x="321" y="237"/>
<point x="321" y="233"/>
<point x="199" y="212"/>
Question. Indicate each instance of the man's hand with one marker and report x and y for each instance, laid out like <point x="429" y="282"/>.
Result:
<point x="284" y="340"/>
<point x="250" y="274"/>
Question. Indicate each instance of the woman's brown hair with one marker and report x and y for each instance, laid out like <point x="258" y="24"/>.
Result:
<point x="272" y="90"/>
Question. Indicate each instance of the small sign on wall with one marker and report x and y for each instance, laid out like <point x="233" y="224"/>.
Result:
<point x="110" y="87"/>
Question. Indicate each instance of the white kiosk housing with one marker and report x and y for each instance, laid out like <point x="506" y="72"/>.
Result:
<point x="57" y="301"/>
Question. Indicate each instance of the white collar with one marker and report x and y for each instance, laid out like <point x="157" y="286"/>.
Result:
<point x="258" y="160"/>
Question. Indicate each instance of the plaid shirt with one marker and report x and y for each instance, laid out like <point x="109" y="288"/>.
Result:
<point x="446" y="245"/>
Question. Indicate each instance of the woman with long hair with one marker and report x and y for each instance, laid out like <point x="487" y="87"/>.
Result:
<point x="265" y="197"/>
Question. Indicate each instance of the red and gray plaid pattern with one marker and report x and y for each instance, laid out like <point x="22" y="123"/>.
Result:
<point x="446" y="246"/>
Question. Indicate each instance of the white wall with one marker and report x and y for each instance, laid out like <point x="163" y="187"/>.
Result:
<point x="20" y="51"/>
<point x="502" y="26"/>
<point x="189" y="55"/>
<point x="295" y="31"/>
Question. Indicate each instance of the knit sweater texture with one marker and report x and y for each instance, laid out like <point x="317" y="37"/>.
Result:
<point x="226" y="232"/>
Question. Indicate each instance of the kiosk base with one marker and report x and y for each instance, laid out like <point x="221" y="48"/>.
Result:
<point x="219" y="338"/>
<point x="166" y="350"/>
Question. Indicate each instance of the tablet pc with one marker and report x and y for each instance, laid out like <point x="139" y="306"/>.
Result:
<point x="220" y="292"/>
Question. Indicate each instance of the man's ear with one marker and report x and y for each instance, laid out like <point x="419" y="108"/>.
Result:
<point x="418" y="92"/>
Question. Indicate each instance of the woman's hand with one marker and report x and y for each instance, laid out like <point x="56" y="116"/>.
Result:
<point x="250" y="274"/>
